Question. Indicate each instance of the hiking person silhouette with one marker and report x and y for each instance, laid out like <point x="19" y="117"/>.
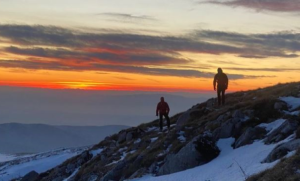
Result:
<point x="222" y="81"/>
<point x="163" y="110"/>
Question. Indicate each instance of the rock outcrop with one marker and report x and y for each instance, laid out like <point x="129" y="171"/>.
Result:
<point x="282" y="150"/>
<point x="199" y="151"/>
<point x="282" y="132"/>
<point x="249" y="136"/>
<point x="31" y="176"/>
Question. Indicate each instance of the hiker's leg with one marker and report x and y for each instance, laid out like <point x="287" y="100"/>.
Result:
<point x="223" y="97"/>
<point x="168" y="120"/>
<point x="161" y="121"/>
<point x="219" y="96"/>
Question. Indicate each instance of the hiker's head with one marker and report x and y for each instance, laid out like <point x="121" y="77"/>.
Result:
<point x="220" y="70"/>
<point x="162" y="99"/>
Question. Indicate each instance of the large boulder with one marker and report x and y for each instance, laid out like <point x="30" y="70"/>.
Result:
<point x="282" y="132"/>
<point x="122" y="136"/>
<point x="282" y="150"/>
<point x="238" y="114"/>
<point x="229" y="128"/>
<point x="188" y="157"/>
<point x="116" y="173"/>
<point x="183" y="119"/>
<point x="249" y="136"/>
<point x="31" y="176"/>
<point x="129" y="136"/>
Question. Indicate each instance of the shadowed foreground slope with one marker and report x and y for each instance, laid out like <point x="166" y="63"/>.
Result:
<point x="268" y="117"/>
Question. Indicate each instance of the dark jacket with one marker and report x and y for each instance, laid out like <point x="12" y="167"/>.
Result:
<point x="162" y="108"/>
<point x="222" y="81"/>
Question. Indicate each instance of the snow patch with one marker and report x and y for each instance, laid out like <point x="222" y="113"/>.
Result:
<point x="152" y="129"/>
<point x="153" y="139"/>
<point x="5" y="158"/>
<point x="231" y="164"/>
<point x="293" y="102"/>
<point x="181" y="137"/>
<point x="73" y="174"/>
<point x="122" y="158"/>
<point x="41" y="162"/>
<point x="96" y="152"/>
<point x="270" y="127"/>
<point x="137" y="141"/>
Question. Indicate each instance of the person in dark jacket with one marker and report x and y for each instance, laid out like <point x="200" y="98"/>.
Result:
<point x="222" y="80"/>
<point x="163" y="109"/>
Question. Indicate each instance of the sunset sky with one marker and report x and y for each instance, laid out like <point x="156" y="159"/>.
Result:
<point x="148" y="45"/>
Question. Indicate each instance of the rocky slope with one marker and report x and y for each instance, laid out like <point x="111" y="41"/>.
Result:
<point x="14" y="167"/>
<point x="143" y="150"/>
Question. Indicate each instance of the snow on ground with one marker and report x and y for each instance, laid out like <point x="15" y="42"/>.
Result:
<point x="39" y="162"/>
<point x="294" y="113"/>
<point x="181" y="137"/>
<point x="72" y="175"/>
<point x="137" y="141"/>
<point x="152" y="129"/>
<point x="272" y="126"/>
<point x="5" y="158"/>
<point x="231" y="164"/>
<point x="153" y="139"/>
<point x="96" y="152"/>
<point x="122" y="158"/>
<point x="293" y="102"/>
<point x="227" y="166"/>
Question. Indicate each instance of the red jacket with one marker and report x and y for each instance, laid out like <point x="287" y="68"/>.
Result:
<point x="162" y="108"/>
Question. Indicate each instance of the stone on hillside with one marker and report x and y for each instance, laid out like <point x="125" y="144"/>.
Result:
<point x="282" y="132"/>
<point x="113" y="144"/>
<point x="238" y="114"/>
<point x="183" y="119"/>
<point x="228" y="128"/>
<point x="282" y="150"/>
<point x="129" y="136"/>
<point x="93" y="178"/>
<point x="115" y="173"/>
<point x="84" y="157"/>
<point x="223" y="117"/>
<point x="122" y="137"/>
<point x="280" y="105"/>
<point x="70" y="168"/>
<point x="31" y="176"/>
<point x="187" y="157"/>
<point x="249" y="113"/>
<point x="139" y="173"/>
<point x="249" y="136"/>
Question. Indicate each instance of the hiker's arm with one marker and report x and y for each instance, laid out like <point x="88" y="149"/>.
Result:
<point x="215" y="81"/>
<point x="168" y="108"/>
<point x="226" y="82"/>
<point x="157" y="108"/>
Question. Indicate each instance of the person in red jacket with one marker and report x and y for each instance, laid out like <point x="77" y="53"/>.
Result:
<point x="222" y="81"/>
<point x="163" y="109"/>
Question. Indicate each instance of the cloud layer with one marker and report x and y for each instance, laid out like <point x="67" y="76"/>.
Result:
<point x="270" y="5"/>
<point x="56" y="48"/>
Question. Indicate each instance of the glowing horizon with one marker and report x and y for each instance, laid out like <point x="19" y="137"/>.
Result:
<point x="144" y="46"/>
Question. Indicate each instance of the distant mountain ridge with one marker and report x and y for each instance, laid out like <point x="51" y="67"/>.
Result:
<point x="33" y="138"/>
